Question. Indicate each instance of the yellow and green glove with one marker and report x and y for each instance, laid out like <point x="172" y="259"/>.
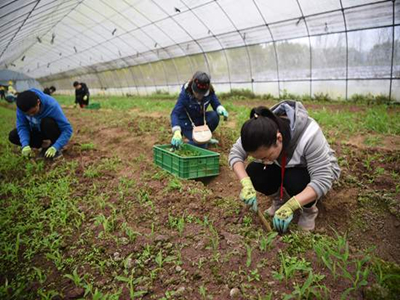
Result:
<point x="26" y="151"/>
<point x="248" y="193"/>
<point x="176" y="140"/>
<point x="284" y="215"/>
<point x="51" y="152"/>
<point x="85" y="97"/>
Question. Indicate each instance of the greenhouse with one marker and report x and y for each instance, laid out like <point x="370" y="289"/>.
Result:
<point x="209" y="149"/>
<point x="137" y="47"/>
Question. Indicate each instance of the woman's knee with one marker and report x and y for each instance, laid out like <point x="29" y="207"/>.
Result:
<point x="212" y="118"/>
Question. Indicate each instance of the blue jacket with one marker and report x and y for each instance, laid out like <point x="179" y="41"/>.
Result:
<point x="193" y="107"/>
<point x="49" y="109"/>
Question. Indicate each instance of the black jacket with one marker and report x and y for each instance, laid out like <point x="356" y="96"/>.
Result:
<point x="80" y="93"/>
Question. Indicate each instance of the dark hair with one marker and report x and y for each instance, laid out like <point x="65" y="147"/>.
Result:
<point x="53" y="88"/>
<point x="260" y="130"/>
<point x="76" y="83"/>
<point x="27" y="100"/>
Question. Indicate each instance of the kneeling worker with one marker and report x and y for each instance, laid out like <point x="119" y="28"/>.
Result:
<point x="39" y="118"/>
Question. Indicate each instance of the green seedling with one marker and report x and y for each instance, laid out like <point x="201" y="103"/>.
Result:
<point x="75" y="278"/>
<point x="203" y="291"/>
<point x="254" y="276"/>
<point x="40" y="275"/>
<point x="47" y="295"/>
<point x="108" y="223"/>
<point x="265" y="243"/>
<point x="174" y="185"/>
<point x="177" y="223"/>
<point x="159" y="259"/>
<point x="130" y="232"/>
<point x="87" y="147"/>
<point x="310" y="289"/>
<point x="289" y="265"/>
<point x="131" y="283"/>
<point x="249" y="251"/>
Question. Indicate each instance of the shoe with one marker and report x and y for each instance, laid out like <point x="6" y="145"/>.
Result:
<point x="307" y="218"/>
<point x="276" y="202"/>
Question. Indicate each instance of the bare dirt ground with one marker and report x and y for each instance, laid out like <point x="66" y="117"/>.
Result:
<point x="127" y="142"/>
<point x="357" y="206"/>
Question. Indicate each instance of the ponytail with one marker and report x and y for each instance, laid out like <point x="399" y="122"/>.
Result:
<point x="261" y="129"/>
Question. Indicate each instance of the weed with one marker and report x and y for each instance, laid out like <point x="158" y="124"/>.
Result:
<point x="75" y="278"/>
<point x="289" y="265"/>
<point x="310" y="289"/>
<point x="41" y="277"/>
<point x="177" y="222"/>
<point x="131" y="283"/>
<point x="87" y="147"/>
<point x="203" y="291"/>
<point x="249" y="251"/>
<point x="254" y="276"/>
<point x="174" y="185"/>
<point x="265" y="243"/>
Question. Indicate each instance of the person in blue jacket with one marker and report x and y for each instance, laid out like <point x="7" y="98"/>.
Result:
<point x="195" y="97"/>
<point x="39" y="118"/>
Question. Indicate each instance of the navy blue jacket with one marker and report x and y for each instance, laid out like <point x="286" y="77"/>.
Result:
<point x="49" y="108"/>
<point x="193" y="107"/>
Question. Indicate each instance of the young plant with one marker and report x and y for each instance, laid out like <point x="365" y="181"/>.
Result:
<point x="75" y="278"/>
<point x="249" y="251"/>
<point x="131" y="283"/>
<point x="159" y="259"/>
<point x="289" y="265"/>
<point x="265" y="243"/>
<point x="310" y="289"/>
<point x="203" y="291"/>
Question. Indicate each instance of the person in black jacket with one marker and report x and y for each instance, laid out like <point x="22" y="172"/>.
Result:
<point x="49" y="91"/>
<point x="81" y="94"/>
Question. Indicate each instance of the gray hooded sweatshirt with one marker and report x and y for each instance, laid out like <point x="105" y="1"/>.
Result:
<point x="308" y="148"/>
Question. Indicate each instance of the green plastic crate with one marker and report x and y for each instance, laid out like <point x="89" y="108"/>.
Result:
<point x="93" y="106"/>
<point x="207" y="164"/>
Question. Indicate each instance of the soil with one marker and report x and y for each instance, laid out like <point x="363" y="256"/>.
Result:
<point x="357" y="206"/>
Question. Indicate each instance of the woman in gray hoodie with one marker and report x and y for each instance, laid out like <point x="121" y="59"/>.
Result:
<point x="294" y="163"/>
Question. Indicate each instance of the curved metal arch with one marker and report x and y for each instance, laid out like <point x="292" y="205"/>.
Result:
<point x="309" y="43"/>
<point x="150" y="37"/>
<point x="193" y="39"/>
<point x="163" y="31"/>
<point x="244" y="42"/>
<point x="347" y="49"/>
<point x="131" y="35"/>
<point x="116" y="37"/>
<point x="392" y="60"/>
<point x="20" y="27"/>
<point x="219" y="42"/>
<point x="274" y="45"/>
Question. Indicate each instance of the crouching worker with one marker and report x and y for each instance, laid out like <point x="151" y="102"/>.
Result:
<point x="82" y="94"/>
<point x="294" y="163"/>
<point x="40" y="118"/>
<point x="191" y="110"/>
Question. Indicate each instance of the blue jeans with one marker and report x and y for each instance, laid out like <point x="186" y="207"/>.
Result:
<point x="212" y="120"/>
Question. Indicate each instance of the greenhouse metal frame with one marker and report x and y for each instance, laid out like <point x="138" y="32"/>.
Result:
<point x="304" y="47"/>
